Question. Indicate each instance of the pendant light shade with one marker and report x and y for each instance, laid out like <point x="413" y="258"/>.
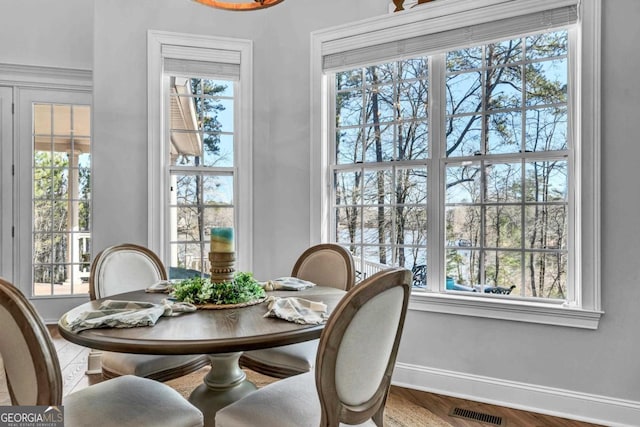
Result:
<point x="240" y="5"/>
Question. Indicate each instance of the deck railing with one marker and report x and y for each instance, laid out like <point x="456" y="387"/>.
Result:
<point x="365" y="269"/>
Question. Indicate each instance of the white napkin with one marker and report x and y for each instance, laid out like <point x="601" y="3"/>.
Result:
<point x="297" y="310"/>
<point x="175" y="308"/>
<point x="287" y="284"/>
<point x="123" y="314"/>
<point x="162" y="287"/>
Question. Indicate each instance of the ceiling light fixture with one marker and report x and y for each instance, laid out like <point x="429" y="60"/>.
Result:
<point x="240" y="5"/>
<point x="414" y="3"/>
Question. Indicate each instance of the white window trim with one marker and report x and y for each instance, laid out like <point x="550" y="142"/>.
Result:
<point x="443" y="14"/>
<point x="158" y="179"/>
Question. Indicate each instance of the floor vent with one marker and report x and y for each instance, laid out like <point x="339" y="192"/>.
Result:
<point x="476" y="416"/>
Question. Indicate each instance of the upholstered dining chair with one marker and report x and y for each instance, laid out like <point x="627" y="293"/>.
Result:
<point x="355" y="361"/>
<point x="124" y="268"/>
<point x="34" y="377"/>
<point x="326" y="264"/>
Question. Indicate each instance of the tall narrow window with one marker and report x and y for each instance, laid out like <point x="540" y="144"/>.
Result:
<point x="61" y="200"/>
<point x="202" y="173"/>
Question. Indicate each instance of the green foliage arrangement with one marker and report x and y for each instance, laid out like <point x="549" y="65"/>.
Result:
<point x="196" y="290"/>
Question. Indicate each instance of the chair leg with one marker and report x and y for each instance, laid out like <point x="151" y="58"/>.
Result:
<point x="378" y="417"/>
<point x="94" y="362"/>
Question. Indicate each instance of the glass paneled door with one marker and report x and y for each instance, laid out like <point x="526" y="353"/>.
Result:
<point x="53" y="193"/>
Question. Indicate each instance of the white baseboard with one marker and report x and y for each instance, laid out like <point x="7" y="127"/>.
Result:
<point x="530" y="397"/>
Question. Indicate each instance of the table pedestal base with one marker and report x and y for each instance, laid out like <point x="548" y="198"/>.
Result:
<point x="224" y="384"/>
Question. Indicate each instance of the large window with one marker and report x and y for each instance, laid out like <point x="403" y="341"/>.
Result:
<point x="503" y="162"/>
<point x="464" y="154"/>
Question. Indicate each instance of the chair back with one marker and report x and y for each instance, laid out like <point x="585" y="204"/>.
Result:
<point x="124" y="268"/>
<point x="29" y="357"/>
<point x="358" y="349"/>
<point x="327" y="264"/>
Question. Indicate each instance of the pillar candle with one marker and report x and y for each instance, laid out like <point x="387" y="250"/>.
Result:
<point x="221" y="239"/>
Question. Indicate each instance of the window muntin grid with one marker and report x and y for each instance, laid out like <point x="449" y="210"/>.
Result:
<point x="505" y="125"/>
<point x="201" y="169"/>
<point x="507" y="177"/>
<point x="61" y="198"/>
<point x="380" y="166"/>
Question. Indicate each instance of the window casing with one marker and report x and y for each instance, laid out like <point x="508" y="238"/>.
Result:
<point x="200" y="147"/>
<point x="447" y="162"/>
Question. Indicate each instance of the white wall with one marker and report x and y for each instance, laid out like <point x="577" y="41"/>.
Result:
<point x="599" y="366"/>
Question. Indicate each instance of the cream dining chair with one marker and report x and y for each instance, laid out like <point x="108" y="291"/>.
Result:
<point x="326" y="264"/>
<point x="355" y="361"/>
<point x="124" y="268"/>
<point x="34" y="378"/>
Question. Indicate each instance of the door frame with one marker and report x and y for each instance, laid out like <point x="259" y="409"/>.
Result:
<point x="6" y="189"/>
<point x="46" y="84"/>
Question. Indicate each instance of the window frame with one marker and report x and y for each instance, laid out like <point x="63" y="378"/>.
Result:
<point x="175" y="170"/>
<point x="195" y="47"/>
<point x="585" y="311"/>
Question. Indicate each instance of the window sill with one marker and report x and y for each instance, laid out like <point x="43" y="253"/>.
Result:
<point x="498" y="308"/>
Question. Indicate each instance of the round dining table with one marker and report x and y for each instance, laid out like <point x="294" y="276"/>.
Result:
<point x="222" y="334"/>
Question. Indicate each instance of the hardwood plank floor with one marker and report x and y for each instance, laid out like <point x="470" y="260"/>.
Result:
<point x="442" y="405"/>
<point x="73" y="362"/>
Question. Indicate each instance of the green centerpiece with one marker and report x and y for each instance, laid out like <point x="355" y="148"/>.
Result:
<point x="242" y="290"/>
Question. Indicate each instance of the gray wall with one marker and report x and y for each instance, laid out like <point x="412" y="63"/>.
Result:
<point x="602" y="362"/>
<point x="281" y="115"/>
<point x="47" y="33"/>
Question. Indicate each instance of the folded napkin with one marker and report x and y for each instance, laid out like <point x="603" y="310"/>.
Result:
<point x="123" y="314"/>
<point x="175" y="308"/>
<point x="297" y="310"/>
<point x="162" y="287"/>
<point x="287" y="284"/>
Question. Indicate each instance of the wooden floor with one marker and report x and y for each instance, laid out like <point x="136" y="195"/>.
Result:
<point x="73" y="362"/>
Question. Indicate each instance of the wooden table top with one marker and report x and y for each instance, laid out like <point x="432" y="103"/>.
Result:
<point x="204" y="331"/>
